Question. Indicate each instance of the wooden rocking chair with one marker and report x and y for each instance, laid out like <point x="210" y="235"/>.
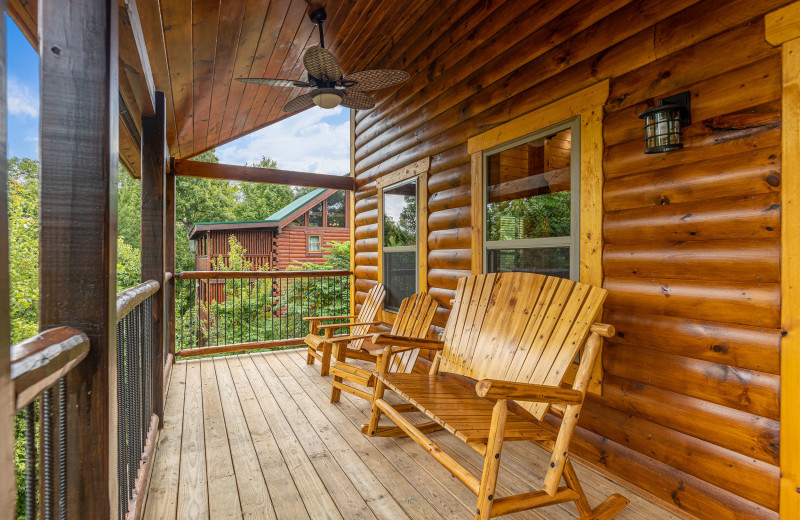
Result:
<point x="413" y="320"/>
<point x="359" y="327"/>
<point x="507" y="345"/>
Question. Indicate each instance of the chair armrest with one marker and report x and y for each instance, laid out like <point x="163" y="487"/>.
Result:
<point x="321" y="318"/>
<point x="335" y="326"/>
<point x="497" y="389"/>
<point x="346" y="339"/>
<point x="404" y="341"/>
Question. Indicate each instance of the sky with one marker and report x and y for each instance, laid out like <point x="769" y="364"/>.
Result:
<point x="316" y="140"/>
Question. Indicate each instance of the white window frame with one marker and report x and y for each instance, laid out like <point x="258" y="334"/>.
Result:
<point x="573" y="240"/>
<point x="319" y="244"/>
<point x="401" y="249"/>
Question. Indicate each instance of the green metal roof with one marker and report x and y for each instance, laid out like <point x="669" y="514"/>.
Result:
<point x="275" y="217"/>
<point x="295" y="205"/>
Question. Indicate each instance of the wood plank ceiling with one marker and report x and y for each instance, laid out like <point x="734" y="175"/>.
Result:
<point x="197" y="47"/>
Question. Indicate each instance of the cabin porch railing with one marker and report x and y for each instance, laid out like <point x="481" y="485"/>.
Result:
<point x="231" y="311"/>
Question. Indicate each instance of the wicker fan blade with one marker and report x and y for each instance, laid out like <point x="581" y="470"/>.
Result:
<point x="274" y="82"/>
<point x="377" y="79"/>
<point x="321" y="64"/>
<point x="298" y="103"/>
<point x="358" y="100"/>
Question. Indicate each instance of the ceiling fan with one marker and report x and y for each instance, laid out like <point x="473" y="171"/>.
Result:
<point x="330" y="86"/>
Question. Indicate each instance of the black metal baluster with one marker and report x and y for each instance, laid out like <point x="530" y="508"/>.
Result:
<point x="62" y="449"/>
<point x="46" y="436"/>
<point x="30" y="460"/>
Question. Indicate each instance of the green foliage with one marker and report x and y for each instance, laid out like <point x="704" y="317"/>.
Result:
<point x="129" y="265"/>
<point x="546" y="215"/>
<point x="129" y="209"/>
<point x="23" y="209"/>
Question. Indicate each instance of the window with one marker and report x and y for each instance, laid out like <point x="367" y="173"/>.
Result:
<point x="313" y="243"/>
<point x="299" y="221"/>
<point x="336" y="210"/>
<point x="315" y="216"/>
<point x="531" y="190"/>
<point x="399" y="242"/>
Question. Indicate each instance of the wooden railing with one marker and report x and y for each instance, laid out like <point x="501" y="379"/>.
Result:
<point x="136" y="400"/>
<point x="231" y="311"/>
<point x="39" y="364"/>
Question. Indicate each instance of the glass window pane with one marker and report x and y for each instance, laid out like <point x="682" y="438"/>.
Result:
<point x="313" y="243"/>
<point x="528" y="190"/>
<point x="315" y="216"/>
<point x="299" y="221"/>
<point x="400" y="215"/>
<point x="336" y="214"/>
<point x="400" y="277"/>
<point x="552" y="261"/>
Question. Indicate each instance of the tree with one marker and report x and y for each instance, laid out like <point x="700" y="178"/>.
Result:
<point x="23" y="223"/>
<point x="129" y="208"/>
<point x="257" y="201"/>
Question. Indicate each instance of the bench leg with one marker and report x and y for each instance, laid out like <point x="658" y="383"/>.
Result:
<point x="325" y="362"/>
<point x="571" y="478"/>
<point x="339" y="353"/>
<point x="310" y="356"/>
<point x="491" y="461"/>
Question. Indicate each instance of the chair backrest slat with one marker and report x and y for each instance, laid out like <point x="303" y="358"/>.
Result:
<point x="520" y="327"/>
<point x="413" y="320"/>
<point x="367" y="313"/>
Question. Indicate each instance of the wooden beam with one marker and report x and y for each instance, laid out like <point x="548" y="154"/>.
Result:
<point x="351" y="211"/>
<point x="790" y="284"/>
<point x="7" y="479"/>
<point x="149" y="101"/>
<point x="24" y="16"/>
<point x="154" y="160"/>
<point x="231" y="172"/>
<point x="169" y="260"/>
<point x="783" y="25"/>
<point x="78" y="231"/>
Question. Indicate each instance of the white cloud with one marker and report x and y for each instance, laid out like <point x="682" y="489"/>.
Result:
<point x="316" y="140"/>
<point x="22" y="101"/>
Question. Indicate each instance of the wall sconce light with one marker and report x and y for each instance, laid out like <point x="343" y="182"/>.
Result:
<point x="662" y="123"/>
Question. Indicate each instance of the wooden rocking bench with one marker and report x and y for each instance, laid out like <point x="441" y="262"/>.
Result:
<point x="413" y="320"/>
<point x="507" y="345"/>
<point x="359" y="328"/>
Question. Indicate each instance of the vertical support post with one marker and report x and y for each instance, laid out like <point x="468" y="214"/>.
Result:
<point x="7" y="481"/>
<point x="78" y="47"/>
<point x="169" y="259"/>
<point x="154" y="145"/>
<point x="352" y="212"/>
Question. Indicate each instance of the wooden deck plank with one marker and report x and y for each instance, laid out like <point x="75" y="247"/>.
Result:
<point x="431" y="470"/>
<point x="249" y="479"/>
<point x="398" y="489"/>
<point x="271" y="412"/>
<point x="193" y="489"/>
<point x="315" y="496"/>
<point x="223" y="497"/>
<point x="347" y="498"/>
<point x="282" y="489"/>
<point x="412" y="468"/>
<point x="162" y="497"/>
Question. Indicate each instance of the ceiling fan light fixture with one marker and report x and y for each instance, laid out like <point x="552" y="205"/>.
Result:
<point x="327" y="97"/>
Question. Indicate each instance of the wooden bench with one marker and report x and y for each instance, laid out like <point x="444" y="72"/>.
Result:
<point x="413" y="320"/>
<point x="359" y="328"/>
<point x="507" y="345"/>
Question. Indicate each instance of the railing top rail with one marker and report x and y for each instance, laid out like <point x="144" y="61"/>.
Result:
<point x="208" y="275"/>
<point x="38" y="362"/>
<point x="128" y="300"/>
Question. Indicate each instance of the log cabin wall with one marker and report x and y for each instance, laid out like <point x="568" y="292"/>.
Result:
<point x="689" y="410"/>
<point x="291" y="243"/>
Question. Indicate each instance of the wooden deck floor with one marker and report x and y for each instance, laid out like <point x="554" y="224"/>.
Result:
<point x="255" y="436"/>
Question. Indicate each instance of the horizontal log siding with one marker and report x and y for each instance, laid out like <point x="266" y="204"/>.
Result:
<point x="292" y="244"/>
<point x="692" y="238"/>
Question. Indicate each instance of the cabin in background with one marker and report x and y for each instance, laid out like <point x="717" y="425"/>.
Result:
<point x="298" y="231"/>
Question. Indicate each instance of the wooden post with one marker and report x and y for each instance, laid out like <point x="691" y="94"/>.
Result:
<point x="154" y="147"/>
<point x="7" y="481"/>
<point x="169" y="259"/>
<point x="78" y="231"/>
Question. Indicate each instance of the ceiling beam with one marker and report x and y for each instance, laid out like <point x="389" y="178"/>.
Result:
<point x="130" y="14"/>
<point x="231" y="172"/>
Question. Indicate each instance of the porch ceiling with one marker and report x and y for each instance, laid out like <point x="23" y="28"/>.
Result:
<point x="197" y="47"/>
